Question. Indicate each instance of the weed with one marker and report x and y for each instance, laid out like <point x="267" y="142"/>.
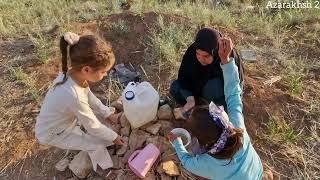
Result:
<point x="43" y="46"/>
<point x="118" y="29"/>
<point x="168" y="42"/>
<point x="17" y="74"/>
<point x="280" y="130"/>
<point x="295" y="83"/>
<point x="31" y="16"/>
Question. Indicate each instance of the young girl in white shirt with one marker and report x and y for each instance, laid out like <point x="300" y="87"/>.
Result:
<point x="70" y="102"/>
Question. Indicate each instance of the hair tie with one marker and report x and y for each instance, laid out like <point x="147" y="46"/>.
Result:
<point x="71" y="38"/>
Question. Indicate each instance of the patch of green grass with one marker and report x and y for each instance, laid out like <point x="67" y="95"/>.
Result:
<point x="257" y="23"/>
<point x="168" y="43"/>
<point x="295" y="73"/>
<point x="200" y="12"/>
<point x="296" y="17"/>
<point x="17" y="74"/>
<point x="280" y="130"/>
<point x="31" y="16"/>
<point x="118" y="29"/>
<point x="295" y="83"/>
<point x="44" y="47"/>
<point x="121" y="27"/>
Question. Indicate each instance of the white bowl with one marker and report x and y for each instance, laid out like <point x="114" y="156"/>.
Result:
<point x="182" y="132"/>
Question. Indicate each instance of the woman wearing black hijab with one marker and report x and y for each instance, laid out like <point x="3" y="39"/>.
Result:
<point x="200" y="75"/>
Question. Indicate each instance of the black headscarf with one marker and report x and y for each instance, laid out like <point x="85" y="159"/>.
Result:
<point x="207" y="40"/>
<point x="192" y="74"/>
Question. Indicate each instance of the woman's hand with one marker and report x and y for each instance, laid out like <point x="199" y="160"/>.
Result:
<point x="114" y="118"/>
<point x="190" y="104"/>
<point x="118" y="141"/>
<point x="225" y="49"/>
<point x="178" y="113"/>
<point x="171" y="137"/>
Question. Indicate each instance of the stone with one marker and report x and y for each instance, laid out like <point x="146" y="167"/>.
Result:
<point x="165" y="112"/>
<point x="150" y="175"/>
<point x="119" y="174"/>
<point x="272" y="80"/>
<point x="154" y="128"/>
<point x="93" y="177"/>
<point x="81" y="165"/>
<point x="165" y="177"/>
<point x="248" y="55"/>
<point x="155" y="119"/>
<point x="62" y="164"/>
<point x="36" y="110"/>
<point x="126" y="156"/>
<point x="170" y="168"/>
<point x="160" y="142"/>
<point x="166" y="127"/>
<point x="131" y="176"/>
<point x="117" y="104"/>
<point x="124" y="121"/>
<point x="125" y="131"/>
<point x="137" y="139"/>
<point x="117" y="162"/>
<point x="123" y="149"/>
<point x="72" y="178"/>
<point x="159" y="169"/>
<point x="145" y="126"/>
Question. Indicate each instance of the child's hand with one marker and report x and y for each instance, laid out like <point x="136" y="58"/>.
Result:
<point x="225" y="49"/>
<point x="171" y="137"/>
<point x="118" y="141"/>
<point x="114" y="118"/>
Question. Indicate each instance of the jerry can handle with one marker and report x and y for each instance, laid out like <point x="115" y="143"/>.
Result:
<point x="133" y="155"/>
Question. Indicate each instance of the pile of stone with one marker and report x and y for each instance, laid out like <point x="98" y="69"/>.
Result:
<point x="166" y="167"/>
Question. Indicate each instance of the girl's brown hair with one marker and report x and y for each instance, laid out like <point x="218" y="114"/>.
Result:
<point x="207" y="132"/>
<point x="89" y="51"/>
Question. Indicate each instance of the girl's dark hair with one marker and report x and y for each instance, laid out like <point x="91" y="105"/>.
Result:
<point x="89" y="51"/>
<point x="207" y="132"/>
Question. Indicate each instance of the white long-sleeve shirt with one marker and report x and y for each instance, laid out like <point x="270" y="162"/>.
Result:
<point x="67" y="105"/>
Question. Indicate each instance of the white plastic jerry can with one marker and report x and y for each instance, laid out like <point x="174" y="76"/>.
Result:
<point x="140" y="103"/>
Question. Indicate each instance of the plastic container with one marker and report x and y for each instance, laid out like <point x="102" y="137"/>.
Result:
<point x="140" y="103"/>
<point x="141" y="161"/>
<point x="184" y="134"/>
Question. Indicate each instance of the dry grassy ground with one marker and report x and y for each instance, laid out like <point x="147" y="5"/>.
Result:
<point x="282" y="118"/>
